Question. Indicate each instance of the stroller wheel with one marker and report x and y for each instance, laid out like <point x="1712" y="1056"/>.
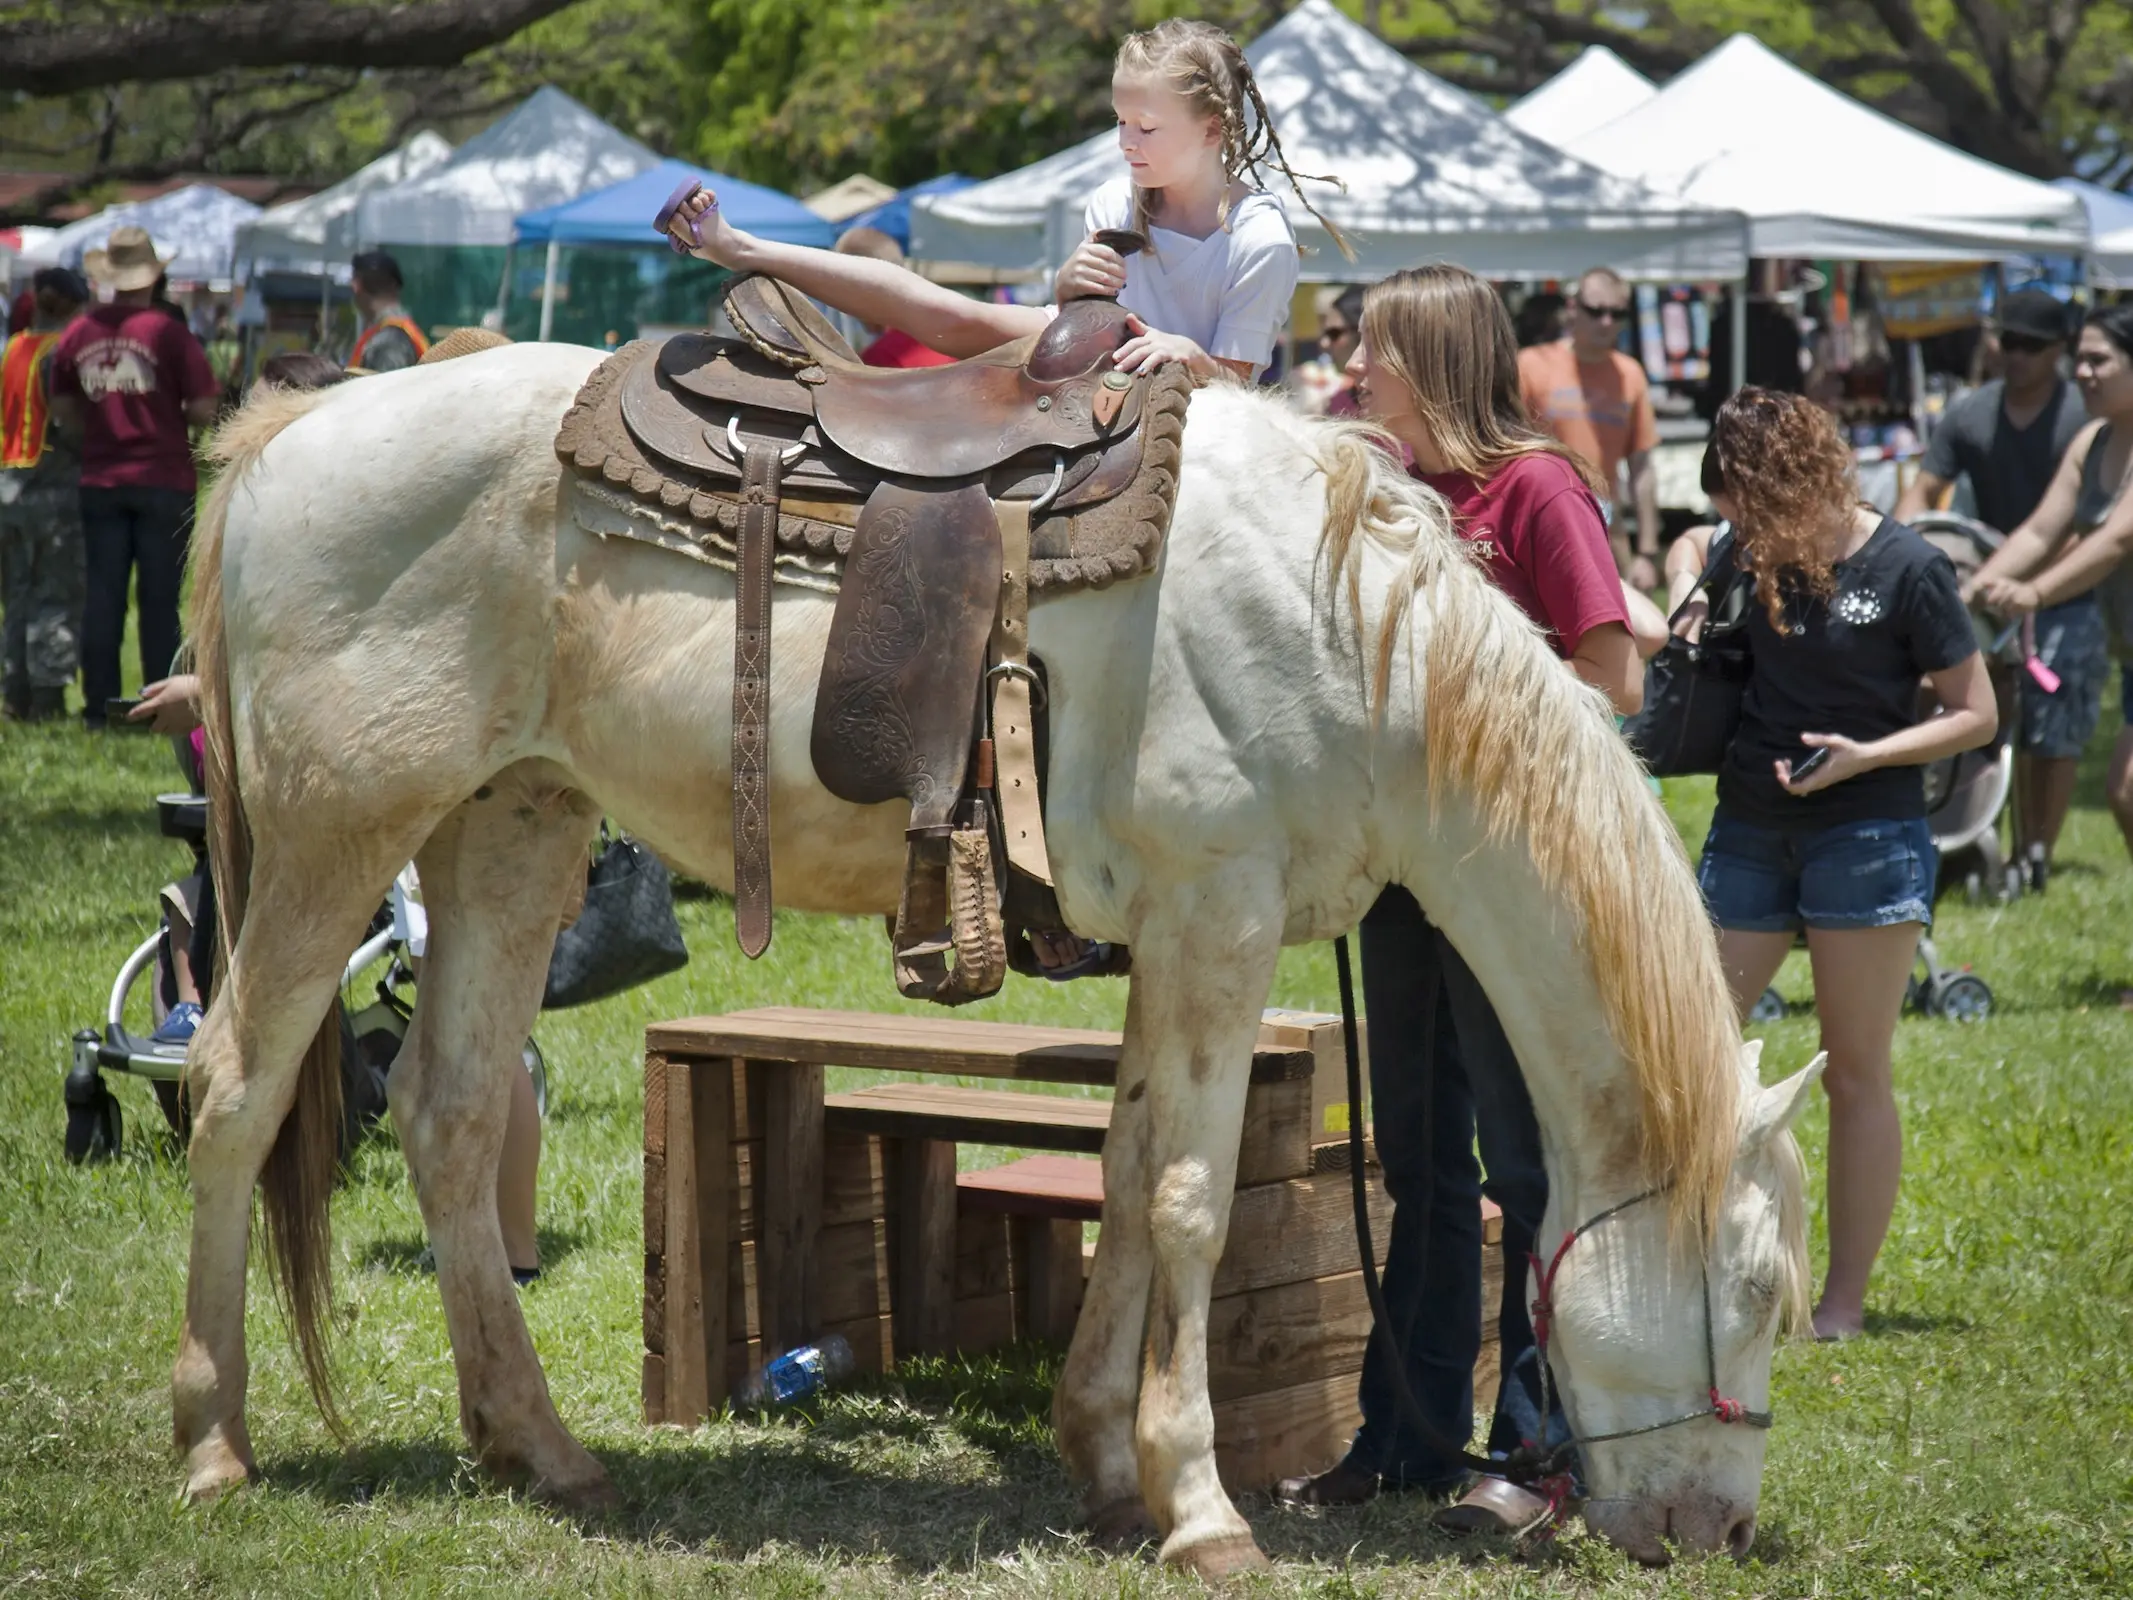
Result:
<point x="95" y="1129"/>
<point x="1960" y="997"/>
<point x="1769" y="1007"/>
<point x="1974" y="888"/>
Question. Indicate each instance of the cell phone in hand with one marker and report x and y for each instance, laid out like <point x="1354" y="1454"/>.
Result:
<point x="119" y="713"/>
<point x="1813" y="764"/>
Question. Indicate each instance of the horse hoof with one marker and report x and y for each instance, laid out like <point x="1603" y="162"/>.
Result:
<point x="592" y="1496"/>
<point x="211" y="1480"/>
<point x="1217" y="1561"/>
<point x="1122" y="1526"/>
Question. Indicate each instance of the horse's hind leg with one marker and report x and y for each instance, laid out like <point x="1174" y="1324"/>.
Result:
<point x="496" y="876"/>
<point x="308" y="906"/>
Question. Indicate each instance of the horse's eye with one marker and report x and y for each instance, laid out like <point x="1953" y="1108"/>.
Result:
<point x="1761" y="1291"/>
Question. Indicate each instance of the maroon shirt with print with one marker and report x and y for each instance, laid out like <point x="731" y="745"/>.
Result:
<point x="134" y="367"/>
<point x="1544" y="541"/>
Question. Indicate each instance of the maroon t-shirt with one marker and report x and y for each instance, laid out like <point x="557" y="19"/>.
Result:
<point x="134" y="367"/>
<point x="1546" y="546"/>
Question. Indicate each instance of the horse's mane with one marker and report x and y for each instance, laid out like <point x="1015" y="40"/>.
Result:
<point x="1537" y="755"/>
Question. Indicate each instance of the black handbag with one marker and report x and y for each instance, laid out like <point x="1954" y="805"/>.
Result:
<point x="1693" y="690"/>
<point x="625" y="935"/>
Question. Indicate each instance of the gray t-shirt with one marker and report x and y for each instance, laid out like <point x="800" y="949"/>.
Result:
<point x="2009" y="467"/>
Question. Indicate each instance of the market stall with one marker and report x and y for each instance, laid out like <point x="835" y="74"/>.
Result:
<point x="604" y="269"/>
<point x="1591" y="92"/>
<point x="450" y="228"/>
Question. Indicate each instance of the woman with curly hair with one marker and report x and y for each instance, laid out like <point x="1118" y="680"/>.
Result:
<point x="1821" y="800"/>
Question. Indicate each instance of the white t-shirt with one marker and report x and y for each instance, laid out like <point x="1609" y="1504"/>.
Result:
<point x="1229" y="293"/>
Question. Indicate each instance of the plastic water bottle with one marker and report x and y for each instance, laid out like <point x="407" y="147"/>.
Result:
<point x="798" y="1373"/>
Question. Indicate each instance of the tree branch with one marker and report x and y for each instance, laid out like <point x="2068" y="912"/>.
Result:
<point x="46" y="58"/>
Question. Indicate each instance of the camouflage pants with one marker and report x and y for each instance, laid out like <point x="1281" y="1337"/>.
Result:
<point x="43" y="586"/>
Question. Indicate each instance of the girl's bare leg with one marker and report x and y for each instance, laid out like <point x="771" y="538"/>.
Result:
<point x="1859" y="983"/>
<point x="517" y="1176"/>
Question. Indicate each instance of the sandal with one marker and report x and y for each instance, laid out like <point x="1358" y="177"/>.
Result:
<point x="1493" y="1505"/>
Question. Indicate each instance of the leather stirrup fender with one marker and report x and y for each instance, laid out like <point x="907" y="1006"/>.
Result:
<point x="762" y="477"/>
<point x="1014" y="733"/>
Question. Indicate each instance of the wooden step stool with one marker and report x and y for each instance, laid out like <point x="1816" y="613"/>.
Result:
<point x="775" y="1214"/>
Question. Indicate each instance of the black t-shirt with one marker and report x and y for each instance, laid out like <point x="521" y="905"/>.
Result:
<point x="2009" y="467"/>
<point x="1849" y="665"/>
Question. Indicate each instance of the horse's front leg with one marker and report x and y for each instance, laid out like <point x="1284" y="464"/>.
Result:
<point x="1100" y="1387"/>
<point x="1202" y="965"/>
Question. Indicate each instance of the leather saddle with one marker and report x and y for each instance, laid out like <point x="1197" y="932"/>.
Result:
<point x="933" y="489"/>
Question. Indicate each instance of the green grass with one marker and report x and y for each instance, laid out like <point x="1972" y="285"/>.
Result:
<point x="1976" y="1443"/>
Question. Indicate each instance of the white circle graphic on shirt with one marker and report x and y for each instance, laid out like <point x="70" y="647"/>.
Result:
<point x="1857" y="606"/>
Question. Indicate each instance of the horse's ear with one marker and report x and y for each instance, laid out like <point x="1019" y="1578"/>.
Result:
<point x="1751" y="1064"/>
<point x="1771" y="1111"/>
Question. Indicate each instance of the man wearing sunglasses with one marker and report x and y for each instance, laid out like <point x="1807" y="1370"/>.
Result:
<point x="1594" y="398"/>
<point x="2007" y="438"/>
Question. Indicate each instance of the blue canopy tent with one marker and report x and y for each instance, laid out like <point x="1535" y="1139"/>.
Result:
<point x="621" y="216"/>
<point x="893" y="217"/>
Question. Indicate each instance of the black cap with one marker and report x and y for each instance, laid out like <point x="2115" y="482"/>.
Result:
<point x="373" y="266"/>
<point x="62" y="281"/>
<point x="2032" y="313"/>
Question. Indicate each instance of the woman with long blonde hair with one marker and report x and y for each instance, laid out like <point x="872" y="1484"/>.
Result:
<point x="1437" y="368"/>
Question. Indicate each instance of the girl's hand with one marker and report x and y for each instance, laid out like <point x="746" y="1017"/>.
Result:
<point x="1148" y="349"/>
<point x="1847" y="759"/>
<point x="2010" y="597"/>
<point x="171" y="706"/>
<point x="1093" y="271"/>
<point x="722" y="245"/>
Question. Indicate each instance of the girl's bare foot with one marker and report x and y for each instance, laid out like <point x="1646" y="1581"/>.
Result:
<point x="1832" y="1327"/>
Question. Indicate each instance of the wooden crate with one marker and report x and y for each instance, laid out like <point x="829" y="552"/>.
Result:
<point x="773" y="1215"/>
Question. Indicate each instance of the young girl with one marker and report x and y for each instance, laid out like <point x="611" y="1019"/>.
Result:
<point x="1211" y="291"/>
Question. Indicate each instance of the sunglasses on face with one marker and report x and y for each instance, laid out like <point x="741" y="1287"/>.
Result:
<point x="2024" y="344"/>
<point x="1334" y="330"/>
<point x="1603" y="313"/>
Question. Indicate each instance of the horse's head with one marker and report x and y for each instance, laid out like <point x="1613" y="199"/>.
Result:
<point x="1645" y="1325"/>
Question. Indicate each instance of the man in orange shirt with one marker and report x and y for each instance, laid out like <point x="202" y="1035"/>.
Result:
<point x="1595" y="400"/>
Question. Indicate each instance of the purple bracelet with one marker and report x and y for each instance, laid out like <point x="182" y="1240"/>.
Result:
<point x="682" y="194"/>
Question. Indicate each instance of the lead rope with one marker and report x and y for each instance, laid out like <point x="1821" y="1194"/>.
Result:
<point x="1533" y="1465"/>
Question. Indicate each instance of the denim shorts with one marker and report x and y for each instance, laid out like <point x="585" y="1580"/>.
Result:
<point x="2057" y="724"/>
<point x="1854" y="875"/>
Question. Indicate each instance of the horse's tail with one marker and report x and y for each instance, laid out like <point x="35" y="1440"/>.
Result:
<point x="297" y="1182"/>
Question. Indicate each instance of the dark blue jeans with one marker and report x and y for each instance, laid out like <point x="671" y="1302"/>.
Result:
<point x="124" y="530"/>
<point x="1473" y="1088"/>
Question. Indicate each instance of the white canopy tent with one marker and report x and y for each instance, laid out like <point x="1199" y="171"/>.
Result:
<point x="1431" y="174"/>
<point x="1589" y="93"/>
<point x="2110" y="232"/>
<point x="194" y="229"/>
<point x="549" y="150"/>
<point x="319" y="234"/>
<point x="1819" y="174"/>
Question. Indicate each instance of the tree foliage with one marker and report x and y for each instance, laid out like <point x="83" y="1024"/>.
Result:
<point x="639" y="63"/>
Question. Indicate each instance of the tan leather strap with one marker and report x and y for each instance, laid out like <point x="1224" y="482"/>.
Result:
<point x="761" y="478"/>
<point x="1014" y="734"/>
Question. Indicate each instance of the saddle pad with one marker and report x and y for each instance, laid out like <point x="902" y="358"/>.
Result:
<point x="692" y="505"/>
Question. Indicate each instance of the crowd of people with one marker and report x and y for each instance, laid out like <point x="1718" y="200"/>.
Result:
<point x="1820" y="827"/>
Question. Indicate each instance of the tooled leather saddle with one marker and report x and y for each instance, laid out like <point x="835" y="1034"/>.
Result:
<point x="933" y="500"/>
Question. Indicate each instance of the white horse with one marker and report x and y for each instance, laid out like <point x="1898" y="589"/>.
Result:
<point x="413" y="646"/>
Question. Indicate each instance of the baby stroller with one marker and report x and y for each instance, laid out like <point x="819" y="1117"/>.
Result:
<point x="370" y="1035"/>
<point x="1966" y="796"/>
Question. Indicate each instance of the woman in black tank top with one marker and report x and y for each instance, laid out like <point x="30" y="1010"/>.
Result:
<point x="2087" y="499"/>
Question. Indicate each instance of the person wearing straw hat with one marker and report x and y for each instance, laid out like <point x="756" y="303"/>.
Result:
<point x="131" y="381"/>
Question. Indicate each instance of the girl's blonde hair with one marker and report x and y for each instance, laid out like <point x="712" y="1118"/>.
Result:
<point x="1444" y="333"/>
<point x="1202" y="65"/>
